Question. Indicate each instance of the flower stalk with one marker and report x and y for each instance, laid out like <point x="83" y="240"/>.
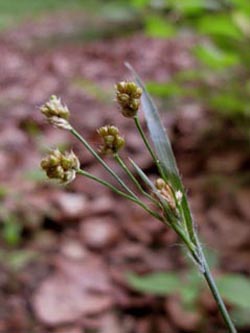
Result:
<point x="122" y="164"/>
<point x="166" y="199"/>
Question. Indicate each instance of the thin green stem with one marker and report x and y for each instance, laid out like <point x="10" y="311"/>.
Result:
<point x="123" y="194"/>
<point x="212" y="286"/>
<point x="150" y="211"/>
<point x="107" y="168"/>
<point x="100" y="160"/>
<point x="221" y="305"/>
<point x="148" y="146"/>
<point x="177" y="227"/>
<point x="193" y="238"/>
<point x="192" y="244"/>
<point x="198" y="255"/>
<point x="106" y="184"/>
<point x="120" y="161"/>
<point x="187" y="242"/>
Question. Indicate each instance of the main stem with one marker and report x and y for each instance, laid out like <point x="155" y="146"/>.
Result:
<point x="221" y="305"/>
<point x="206" y="272"/>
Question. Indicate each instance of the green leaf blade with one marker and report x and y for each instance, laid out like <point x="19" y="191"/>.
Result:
<point x="235" y="289"/>
<point x="159" y="136"/>
<point x="161" y="284"/>
<point x="163" y="151"/>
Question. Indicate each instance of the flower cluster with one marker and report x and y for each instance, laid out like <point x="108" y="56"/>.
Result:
<point x="166" y="192"/>
<point x="112" y="141"/>
<point x="61" y="166"/>
<point x="56" y="113"/>
<point x="165" y="201"/>
<point x="128" y="96"/>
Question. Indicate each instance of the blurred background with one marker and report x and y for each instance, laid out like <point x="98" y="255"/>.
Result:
<point x="79" y="259"/>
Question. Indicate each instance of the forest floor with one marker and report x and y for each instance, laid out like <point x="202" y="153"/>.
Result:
<point x="66" y="251"/>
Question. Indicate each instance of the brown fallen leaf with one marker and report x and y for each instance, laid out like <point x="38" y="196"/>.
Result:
<point x="226" y="231"/>
<point x="90" y="273"/>
<point x="59" y="301"/>
<point x="70" y="205"/>
<point x="99" y="233"/>
<point x="242" y="198"/>
<point x="74" y="290"/>
<point x="110" y="323"/>
<point x="226" y="161"/>
<point x="73" y="249"/>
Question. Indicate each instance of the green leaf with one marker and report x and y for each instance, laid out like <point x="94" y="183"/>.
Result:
<point x="241" y="317"/>
<point x="163" y="150"/>
<point x="160" y="284"/>
<point x="214" y="57"/>
<point x="12" y="230"/>
<point x="194" y="278"/>
<point x="228" y="102"/>
<point x="243" y="5"/>
<point x="140" y="4"/>
<point x="235" y="289"/>
<point x="190" y="7"/>
<point x="159" y="136"/>
<point x="166" y="283"/>
<point x="242" y="20"/>
<point x="219" y="25"/>
<point x="189" y="295"/>
<point x="164" y="90"/>
<point x="158" y="27"/>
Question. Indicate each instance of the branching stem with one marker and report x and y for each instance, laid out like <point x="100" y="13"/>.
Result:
<point x="121" y="193"/>
<point x="101" y="161"/>
<point x="119" y="160"/>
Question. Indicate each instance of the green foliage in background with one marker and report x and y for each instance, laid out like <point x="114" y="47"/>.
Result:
<point x="16" y="260"/>
<point x="12" y="12"/>
<point x="222" y="51"/>
<point x="11" y="230"/>
<point x="188" y="285"/>
<point x="15" y="12"/>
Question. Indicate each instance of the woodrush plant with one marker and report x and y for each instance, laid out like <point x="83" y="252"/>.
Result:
<point x="165" y="199"/>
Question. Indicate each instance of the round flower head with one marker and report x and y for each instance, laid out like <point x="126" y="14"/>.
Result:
<point x="61" y="166"/>
<point x="56" y="113"/>
<point x="112" y="141"/>
<point x="128" y="96"/>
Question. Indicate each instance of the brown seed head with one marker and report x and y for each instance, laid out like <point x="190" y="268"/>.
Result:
<point x="112" y="141"/>
<point x="55" y="108"/>
<point x="56" y="113"/>
<point x="61" y="166"/>
<point x="128" y="96"/>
